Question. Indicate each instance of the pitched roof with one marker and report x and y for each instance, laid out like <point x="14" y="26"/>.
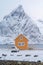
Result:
<point x="21" y="35"/>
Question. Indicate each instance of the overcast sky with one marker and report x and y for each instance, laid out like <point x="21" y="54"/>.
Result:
<point x="33" y="8"/>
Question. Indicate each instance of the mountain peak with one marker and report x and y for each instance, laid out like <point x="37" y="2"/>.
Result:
<point x="20" y="7"/>
<point x="18" y="11"/>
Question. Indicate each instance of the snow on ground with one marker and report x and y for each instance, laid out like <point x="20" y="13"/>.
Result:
<point x="22" y="55"/>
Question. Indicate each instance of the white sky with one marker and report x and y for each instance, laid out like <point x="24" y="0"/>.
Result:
<point x="33" y="8"/>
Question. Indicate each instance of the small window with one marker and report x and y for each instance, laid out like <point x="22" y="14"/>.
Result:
<point x="21" y="43"/>
<point x="21" y="37"/>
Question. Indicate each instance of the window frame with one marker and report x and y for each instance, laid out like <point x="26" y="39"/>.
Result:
<point x="21" y="43"/>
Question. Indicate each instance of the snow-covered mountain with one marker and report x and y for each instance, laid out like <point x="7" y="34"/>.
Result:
<point x="18" y="22"/>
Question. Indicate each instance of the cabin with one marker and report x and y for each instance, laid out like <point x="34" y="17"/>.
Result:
<point x="21" y="42"/>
